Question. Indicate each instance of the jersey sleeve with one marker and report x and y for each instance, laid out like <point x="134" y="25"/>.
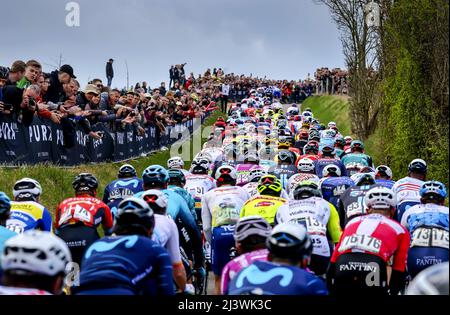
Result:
<point x="193" y="231"/>
<point x="106" y="195"/>
<point x="57" y="217"/>
<point x="333" y="226"/>
<point x="401" y="254"/>
<point x="164" y="278"/>
<point x="206" y="218"/>
<point x="107" y="220"/>
<point x="173" y="244"/>
<point x="225" y="279"/>
<point x="46" y="221"/>
<point x="317" y="286"/>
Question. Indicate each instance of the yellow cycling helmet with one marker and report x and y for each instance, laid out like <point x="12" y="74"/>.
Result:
<point x="270" y="185"/>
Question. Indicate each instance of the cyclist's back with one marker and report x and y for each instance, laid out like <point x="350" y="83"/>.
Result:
<point x="333" y="187"/>
<point x="29" y="215"/>
<point x="119" y="190"/>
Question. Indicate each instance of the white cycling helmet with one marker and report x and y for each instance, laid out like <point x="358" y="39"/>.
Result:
<point x="26" y="186"/>
<point x="157" y="197"/>
<point x="226" y="170"/>
<point x="251" y="225"/>
<point x="433" y="280"/>
<point x="306" y="165"/>
<point x="331" y="124"/>
<point x="331" y="169"/>
<point x="35" y="252"/>
<point x="384" y="171"/>
<point x="175" y="162"/>
<point x="380" y="198"/>
<point x="255" y="174"/>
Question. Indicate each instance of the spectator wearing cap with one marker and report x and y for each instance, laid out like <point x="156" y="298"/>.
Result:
<point x="16" y="72"/>
<point x="84" y="97"/>
<point x="59" y="77"/>
<point x="32" y="71"/>
<point x="109" y="71"/>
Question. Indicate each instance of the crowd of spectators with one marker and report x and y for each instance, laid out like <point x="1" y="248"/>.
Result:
<point x="333" y="81"/>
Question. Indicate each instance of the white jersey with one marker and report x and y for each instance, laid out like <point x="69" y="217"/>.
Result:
<point x="198" y="185"/>
<point x="313" y="213"/>
<point x="222" y="206"/>
<point x="216" y="153"/>
<point x="166" y="235"/>
<point x="21" y="291"/>
<point x="407" y="189"/>
<point x="296" y="179"/>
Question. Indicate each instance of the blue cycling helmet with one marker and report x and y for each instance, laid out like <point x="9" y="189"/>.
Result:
<point x="134" y="213"/>
<point x="176" y="176"/>
<point x="432" y="190"/>
<point x="417" y="166"/>
<point x="357" y="144"/>
<point x="291" y="241"/>
<point x="126" y="170"/>
<point x="155" y="175"/>
<point x="5" y="204"/>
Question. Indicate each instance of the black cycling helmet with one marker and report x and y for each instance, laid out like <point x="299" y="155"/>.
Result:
<point x="85" y="182"/>
<point x="176" y="177"/>
<point x="134" y="214"/>
<point x="306" y="189"/>
<point x="365" y="179"/>
<point x="290" y="241"/>
<point x="286" y="156"/>
<point x="126" y="170"/>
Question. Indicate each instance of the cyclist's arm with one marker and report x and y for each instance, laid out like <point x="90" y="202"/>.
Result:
<point x="163" y="278"/>
<point x="333" y="226"/>
<point x="194" y="233"/>
<point x="225" y="280"/>
<point x="46" y="221"/>
<point x="191" y="204"/>
<point x="56" y="221"/>
<point x="341" y="213"/>
<point x="206" y="219"/>
<point x="173" y="247"/>
<point x="107" y="220"/>
<point x="106" y="195"/>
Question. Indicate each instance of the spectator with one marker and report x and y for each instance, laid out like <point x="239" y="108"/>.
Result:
<point x="144" y="86"/>
<point x="171" y="76"/>
<point x="84" y="97"/>
<point x="109" y="71"/>
<point x="162" y="89"/>
<point x="16" y="72"/>
<point x="225" y="91"/>
<point x="55" y="91"/>
<point x="32" y="71"/>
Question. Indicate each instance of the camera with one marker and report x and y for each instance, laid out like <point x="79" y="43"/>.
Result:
<point x="31" y="101"/>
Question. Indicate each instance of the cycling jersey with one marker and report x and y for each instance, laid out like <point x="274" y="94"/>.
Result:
<point x="124" y="269"/>
<point x="187" y="197"/>
<point x="119" y="190"/>
<point x="243" y="170"/>
<point x="29" y="215"/>
<point x="5" y="234"/>
<point x="198" y="185"/>
<point x="407" y="192"/>
<point x="321" y="163"/>
<point x="352" y="160"/>
<point x="375" y="234"/>
<point x="21" y="291"/>
<point x="268" y="278"/>
<point x="237" y="264"/>
<point x="283" y="173"/>
<point x="351" y="202"/>
<point x="307" y="156"/>
<point x="333" y="187"/>
<point x="385" y="183"/>
<point x="296" y="179"/>
<point x="166" y="235"/>
<point x="263" y="206"/>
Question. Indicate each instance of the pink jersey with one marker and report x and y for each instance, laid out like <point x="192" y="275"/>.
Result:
<point x="21" y="291"/>
<point x="233" y="267"/>
<point x="243" y="170"/>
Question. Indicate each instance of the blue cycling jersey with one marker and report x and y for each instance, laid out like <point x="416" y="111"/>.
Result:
<point x="116" y="265"/>
<point x="385" y="183"/>
<point x="187" y="197"/>
<point x="320" y="164"/>
<point x="267" y="278"/>
<point x="29" y="215"/>
<point x="333" y="187"/>
<point x="119" y="190"/>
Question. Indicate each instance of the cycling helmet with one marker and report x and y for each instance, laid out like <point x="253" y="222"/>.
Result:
<point x="311" y="148"/>
<point x="35" y="252"/>
<point x="306" y="189"/>
<point x="226" y="174"/>
<point x="417" y="166"/>
<point x="383" y="171"/>
<point x="331" y="170"/>
<point x="27" y="188"/>
<point x="330" y="133"/>
<point x="348" y="140"/>
<point x="176" y="176"/>
<point x="135" y="213"/>
<point x="251" y="156"/>
<point x="5" y="205"/>
<point x="270" y="185"/>
<point x="303" y="135"/>
<point x="286" y="156"/>
<point x="155" y="175"/>
<point x="380" y="198"/>
<point x="175" y="162"/>
<point x="290" y="241"/>
<point x="255" y="175"/>
<point x="308" y="109"/>
<point x="356" y="144"/>
<point x="85" y="182"/>
<point x="331" y="124"/>
<point x="365" y="179"/>
<point x="433" y="280"/>
<point x="126" y="170"/>
<point x="307" y="113"/>
<point x="251" y="225"/>
<point x="200" y="166"/>
<point x="433" y="190"/>
<point x="339" y="141"/>
<point x="306" y="165"/>
<point x="328" y="150"/>
<point x="156" y="200"/>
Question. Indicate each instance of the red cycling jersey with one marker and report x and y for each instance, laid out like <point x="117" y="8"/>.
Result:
<point x="86" y="210"/>
<point x="377" y="235"/>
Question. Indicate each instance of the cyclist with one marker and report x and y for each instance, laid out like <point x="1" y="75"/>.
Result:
<point x="369" y="244"/>
<point x="253" y="181"/>
<point x="428" y="225"/>
<point x="26" y="211"/>
<point x="333" y="185"/>
<point x="251" y="159"/>
<point x="77" y="218"/>
<point x="356" y="157"/>
<point x="5" y="211"/>
<point x="199" y="182"/>
<point x="130" y="262"/>
<point x="407" y="188"/>
<point x="431" y="281"/>
<point x="268" y="202"/>
<point x="328" y="158"/>
<point x="34" y="263"/>
<point x="250" y="238"/>
<point x="285" y="167"/>
<point x="306" y="171"/>
<point x="310" y="151"/>
<point x="157" y="177"/>
<point x="221" y="207"/>
<point x="320" y="219"/>
<point x="177" y="162"/>
<point x="383" y="176"/>
<point x="165" y="233"/>
<point x="124" y="187"/>
<point x="339" y="144"/>
<point x="351" y="202"/>
<point x="177" y="180"/>
<point x="284" y="272"/>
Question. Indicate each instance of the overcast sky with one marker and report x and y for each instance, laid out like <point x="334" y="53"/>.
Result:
<point x="283" y="39"/>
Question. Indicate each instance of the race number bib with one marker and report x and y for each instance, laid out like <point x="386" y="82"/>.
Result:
<point x="17" y="228"/>
<point x="226" y="213"/>
<point x="430" y="237"/>
<point x="361" y="242"/>
<point x="242" y="178"/>
<point x="355" y="208"/>
<point x="317" y="231"/>
<point x="82" y="214"/>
